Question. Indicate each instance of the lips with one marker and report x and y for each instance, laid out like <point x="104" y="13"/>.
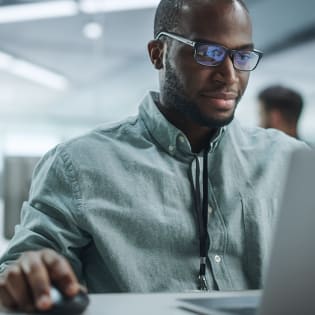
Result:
<point x="220" y="100"/>
<point x="220" y="95"/>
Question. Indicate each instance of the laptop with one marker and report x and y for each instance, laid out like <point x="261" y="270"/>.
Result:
<point x="290" y="281"/>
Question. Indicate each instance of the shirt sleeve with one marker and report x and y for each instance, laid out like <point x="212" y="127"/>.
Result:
<point x="51" y="218"/>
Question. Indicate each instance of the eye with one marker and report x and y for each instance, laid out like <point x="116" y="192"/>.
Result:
<point x="243" y="57"/>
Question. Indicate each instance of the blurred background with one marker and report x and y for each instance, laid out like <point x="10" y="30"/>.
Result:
<point x="69" y="65"/>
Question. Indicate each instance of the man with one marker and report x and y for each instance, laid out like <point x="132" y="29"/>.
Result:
<point x="280" y="108"/>
<point x="125" y="208"/>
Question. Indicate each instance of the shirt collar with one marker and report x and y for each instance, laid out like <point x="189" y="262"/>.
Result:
<point x="170" y="138"/>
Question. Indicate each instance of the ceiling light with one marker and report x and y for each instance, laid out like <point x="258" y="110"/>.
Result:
<point x="92" y="30"/>
<point x="35" y="11"/>
<point x="32" y="72"/>
<point x="94" y="6"/>
<point x="62" y="8"/>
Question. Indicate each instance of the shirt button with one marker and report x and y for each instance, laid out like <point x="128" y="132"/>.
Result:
<point x="171" y="149"/>
<point x="209" y="212"/>
<point x="181" y="139"/>
<point x="217" y="259"/>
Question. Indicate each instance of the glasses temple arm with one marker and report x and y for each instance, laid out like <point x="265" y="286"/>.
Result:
<point x="177" y="37"/>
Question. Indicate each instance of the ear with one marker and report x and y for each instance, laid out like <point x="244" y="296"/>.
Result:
<point x="155" y="49"/>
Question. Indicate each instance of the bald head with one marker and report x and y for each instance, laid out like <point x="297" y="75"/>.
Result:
<point x="168" y="12"/>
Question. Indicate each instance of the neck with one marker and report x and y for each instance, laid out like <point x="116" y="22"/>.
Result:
<point x="198" y="136"/>
<point x="292" y="132"/>
<point x="287" y="128"/>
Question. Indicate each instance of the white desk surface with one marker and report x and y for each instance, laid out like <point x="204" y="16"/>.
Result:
<point x="144" y="304"/>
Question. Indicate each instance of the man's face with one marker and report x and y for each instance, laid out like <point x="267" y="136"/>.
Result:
<point x="207" y="96"/>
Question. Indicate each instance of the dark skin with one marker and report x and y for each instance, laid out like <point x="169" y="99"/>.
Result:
<point x="25" y="285"/>
<point x="211" y="94"/>
<point x="207" y="100"/>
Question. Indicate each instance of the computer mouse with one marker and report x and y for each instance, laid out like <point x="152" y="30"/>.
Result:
<point x="64" y="305"/>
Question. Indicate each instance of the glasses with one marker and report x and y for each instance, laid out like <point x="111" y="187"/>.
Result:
<point x="212" y="55"/>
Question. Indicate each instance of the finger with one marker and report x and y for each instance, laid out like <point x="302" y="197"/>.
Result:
<point x="37" y="278"/>
<point x="5" y="297"/>
<point x="61" y="273"/>
<point x="17" y="287"/>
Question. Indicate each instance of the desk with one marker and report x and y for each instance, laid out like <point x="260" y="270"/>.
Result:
<point x="144" y="304"/>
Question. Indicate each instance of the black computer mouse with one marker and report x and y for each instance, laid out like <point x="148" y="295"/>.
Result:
<point x="64" y="305"/>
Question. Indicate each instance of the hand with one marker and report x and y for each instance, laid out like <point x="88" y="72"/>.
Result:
<point x="25" y="285"/>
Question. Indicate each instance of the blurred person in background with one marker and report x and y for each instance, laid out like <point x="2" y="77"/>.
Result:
<point x="280" y="108"/>
<point x="125" y="207"/>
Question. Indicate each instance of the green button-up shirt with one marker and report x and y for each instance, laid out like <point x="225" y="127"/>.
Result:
<point x="118" y="202"/>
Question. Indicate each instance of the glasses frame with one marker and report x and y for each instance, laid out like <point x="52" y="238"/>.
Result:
<point x="195" y="44"/>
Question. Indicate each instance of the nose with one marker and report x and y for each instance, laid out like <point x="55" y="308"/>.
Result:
<point x="226" y="73"/>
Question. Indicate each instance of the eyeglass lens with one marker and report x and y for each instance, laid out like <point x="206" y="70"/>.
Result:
<point x="213" y="55"/>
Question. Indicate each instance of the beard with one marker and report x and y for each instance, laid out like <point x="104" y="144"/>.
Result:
<point x="175" y="98"/>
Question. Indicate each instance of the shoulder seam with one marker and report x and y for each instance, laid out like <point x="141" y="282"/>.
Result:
<point x="75" y="186"/>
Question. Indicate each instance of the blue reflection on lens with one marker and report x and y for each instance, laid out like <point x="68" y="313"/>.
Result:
<point x="216" y="52"/>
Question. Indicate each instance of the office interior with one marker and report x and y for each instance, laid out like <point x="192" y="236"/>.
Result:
<point x="67" y="66"/>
